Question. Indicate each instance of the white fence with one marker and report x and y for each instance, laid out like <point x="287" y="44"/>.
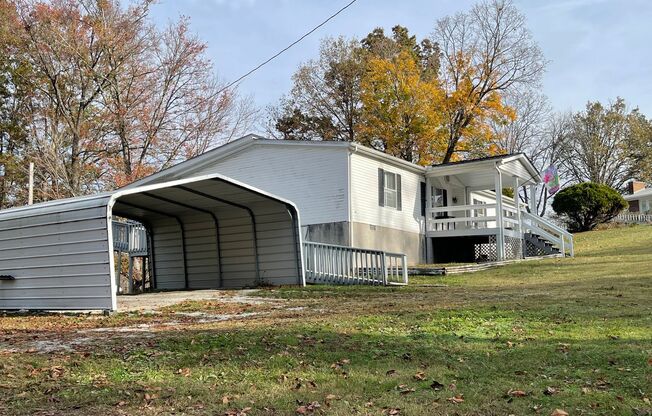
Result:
<point x="342" y="265"/>
<point x="633" y="218"/>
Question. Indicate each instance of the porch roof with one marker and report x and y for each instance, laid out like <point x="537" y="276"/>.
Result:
<point x="480" y="173"/>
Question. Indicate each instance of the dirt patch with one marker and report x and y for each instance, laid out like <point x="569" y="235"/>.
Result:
<point x="155" y="301"/>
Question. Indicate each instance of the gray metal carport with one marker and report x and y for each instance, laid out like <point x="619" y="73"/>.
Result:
<point x="205" y="232"/>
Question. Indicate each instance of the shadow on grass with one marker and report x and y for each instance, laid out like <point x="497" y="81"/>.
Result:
<point x="374" y="359"/>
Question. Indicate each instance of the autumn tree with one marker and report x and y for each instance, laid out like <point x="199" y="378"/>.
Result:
<point x="607" y="145"/>
<point x="398" y="114"/>
<point x="425" y="53"/>
<point x="164" y="102"/>
<point x="15" y="102"/>
<point x="115" y="98"/>
<point x="324" y="103"/>
<point x="486" y="52"/>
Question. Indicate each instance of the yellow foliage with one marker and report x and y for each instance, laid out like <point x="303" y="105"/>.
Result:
<point x="471" y="104"/>
<point x="402" y="110"/>
<point x="419" y="118"/>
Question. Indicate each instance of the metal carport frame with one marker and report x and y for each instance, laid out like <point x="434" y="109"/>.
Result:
<point x="206" y="232"/>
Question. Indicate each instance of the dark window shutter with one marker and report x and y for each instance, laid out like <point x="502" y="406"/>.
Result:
<point x="398" y="192"/>
<point x="381" y="187"/>
<point x="422" y="191"/>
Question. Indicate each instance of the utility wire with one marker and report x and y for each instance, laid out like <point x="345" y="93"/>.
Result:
<point x="287" y="47"/>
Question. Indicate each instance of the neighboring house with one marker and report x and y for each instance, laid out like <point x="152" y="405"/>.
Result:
<point x="351" y="195"/>
<point x="639" y="197"/>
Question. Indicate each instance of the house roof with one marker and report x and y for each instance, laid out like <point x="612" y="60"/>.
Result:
<point x="480" y="159"/>
<point x="209" y="157"/>
<point x="637" y="195"/>
<point x="530" y="175"/>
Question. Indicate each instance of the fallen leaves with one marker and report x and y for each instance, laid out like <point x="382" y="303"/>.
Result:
<point x="516" y="393"/>
<point x="404" y="389"/>
<point x="308" y="408"/>
<point x="56" y="372"/>
<point x="549" y="391"/>
<point x="457" y="399"/>
<point x="238" y="412"/>
<point x="184" y="372"/>
<point x="419" y="376"/>
<point x="559" y="412"/>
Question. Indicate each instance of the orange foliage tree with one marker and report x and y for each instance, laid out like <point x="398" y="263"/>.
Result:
<point x="400" y="114"/>
<point x="485" y="53"/>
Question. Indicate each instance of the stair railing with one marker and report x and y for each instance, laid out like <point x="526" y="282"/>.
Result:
<point x="549" y="230"/>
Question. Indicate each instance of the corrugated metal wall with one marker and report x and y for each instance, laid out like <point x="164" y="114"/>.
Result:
<point x="58" y="255"/>
<point x="244" y="258"/>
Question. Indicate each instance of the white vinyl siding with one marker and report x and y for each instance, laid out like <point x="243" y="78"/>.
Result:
<point x="313" y="177"/>
<point x="365" y="207"/>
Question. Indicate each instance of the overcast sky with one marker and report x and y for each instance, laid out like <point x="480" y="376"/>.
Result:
<point x="598" y="49"/>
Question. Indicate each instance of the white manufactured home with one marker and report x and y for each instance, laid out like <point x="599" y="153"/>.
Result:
<point x="351" y="195"/>
<point x="272" y="212"/>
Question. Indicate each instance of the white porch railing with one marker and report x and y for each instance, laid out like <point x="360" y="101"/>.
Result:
<point x="341" y="265"/>
<point x="550" y="231"/>
<point x="457" y="217"/>
<point x="633" y="218"/>
<point x="474" y="217"/>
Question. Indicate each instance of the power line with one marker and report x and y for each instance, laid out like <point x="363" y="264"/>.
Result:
<point x="287" y="47"/>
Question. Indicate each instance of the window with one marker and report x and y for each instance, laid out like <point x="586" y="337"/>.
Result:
<point x="439" y="197"/>
<point x="389" y="189"/>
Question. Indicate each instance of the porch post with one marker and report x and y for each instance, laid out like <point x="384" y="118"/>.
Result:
<point x="533" y="199"/>
<point x="430" y="250"/>
<point x="519" y="225"/>
<point x="500" y="234"/>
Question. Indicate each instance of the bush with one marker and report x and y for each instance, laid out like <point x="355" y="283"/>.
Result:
<point x="585" y="205"/>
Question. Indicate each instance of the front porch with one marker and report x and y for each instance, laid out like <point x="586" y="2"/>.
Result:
<point x="469" y="218"/>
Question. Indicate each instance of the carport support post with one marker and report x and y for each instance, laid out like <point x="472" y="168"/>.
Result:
<point x="131" y="274"/>
<point x="118" y="269"/>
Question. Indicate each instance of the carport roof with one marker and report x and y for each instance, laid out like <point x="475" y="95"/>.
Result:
<point x="112" y="196"/>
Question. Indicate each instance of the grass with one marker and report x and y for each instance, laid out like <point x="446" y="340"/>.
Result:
<point x="572" y="334"/>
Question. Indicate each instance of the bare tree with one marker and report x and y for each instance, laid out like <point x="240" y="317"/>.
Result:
<point x="115" y="98"/>
<point x="166" y="104"/>
<point x="486" y="52"/>
<point x="526" y="131"/>
<point x="607" y="144"/>
<point x="545" y="151"/>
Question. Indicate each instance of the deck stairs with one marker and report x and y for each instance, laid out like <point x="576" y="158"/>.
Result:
<point x="536" y="246"/>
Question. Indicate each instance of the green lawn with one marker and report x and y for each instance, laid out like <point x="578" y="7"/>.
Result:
<point x="529" y="338"/>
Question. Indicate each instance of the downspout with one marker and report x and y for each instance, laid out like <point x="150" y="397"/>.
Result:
<point x="353" y="149"/>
